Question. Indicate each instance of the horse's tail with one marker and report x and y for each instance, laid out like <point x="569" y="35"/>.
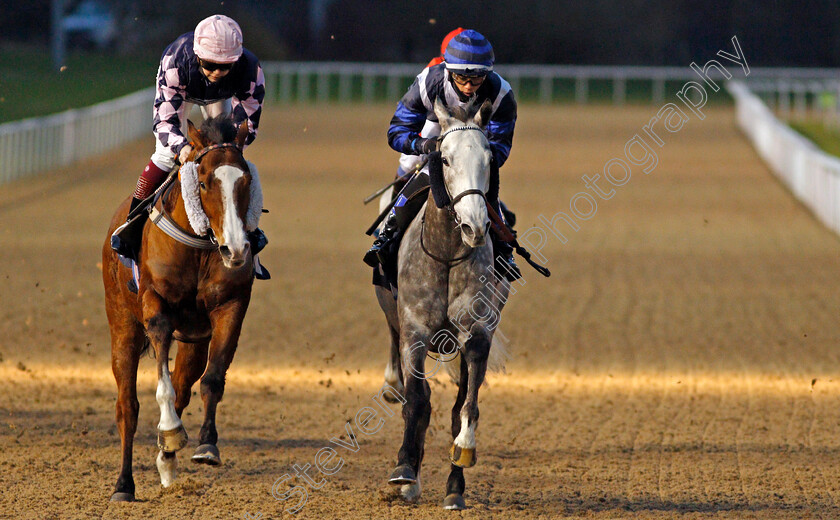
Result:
<point x="499" y="354"/>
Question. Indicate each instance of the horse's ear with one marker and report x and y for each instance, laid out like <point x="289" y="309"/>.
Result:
<point x="242" y="134"/>
<point x="483" y="116"/>
<point x="195" y="135"/>
<point x="443" y="114"/>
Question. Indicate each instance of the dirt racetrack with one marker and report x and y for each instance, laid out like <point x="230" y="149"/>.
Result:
<point x="682" y="360"/>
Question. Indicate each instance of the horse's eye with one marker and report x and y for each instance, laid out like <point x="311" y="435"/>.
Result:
<point x="203" y="186"/>
<point x="445" y="160"/>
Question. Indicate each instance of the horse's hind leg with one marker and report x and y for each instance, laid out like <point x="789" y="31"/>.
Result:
<point x="416" y="413"/>
<point x="171" y="433"/>
<point x="455" y="484"/>
<point x="126" y="345"/>
<point x="189" y="365"/>
<point x="393" y="370"/>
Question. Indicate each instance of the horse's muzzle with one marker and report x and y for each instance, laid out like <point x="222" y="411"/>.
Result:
<point x="472" y="238"/>
<point x="233" y="259"/>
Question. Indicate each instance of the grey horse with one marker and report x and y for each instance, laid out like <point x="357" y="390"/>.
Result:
<point x="449" y="300"/>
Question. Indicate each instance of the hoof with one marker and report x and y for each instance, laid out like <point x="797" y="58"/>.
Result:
<point x="454" y="502"/>
<point x="402" y="475"/>
<point x="122" y="497"/>
<point x="462" y="457"/>
<point x="207" y="454"/>
<point x="172" y="440"/>
<point x="390" y="398"/>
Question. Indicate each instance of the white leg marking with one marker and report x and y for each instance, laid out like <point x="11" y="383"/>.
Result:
<point x="466" y="437"/>
<point x="233" y="232"/>
<point x="165" y="396"/>
<point x="168" y="469"/>
<point x="411" y="492"/>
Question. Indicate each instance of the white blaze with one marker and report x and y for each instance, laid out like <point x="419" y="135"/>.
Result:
<point x="233" y="234"/>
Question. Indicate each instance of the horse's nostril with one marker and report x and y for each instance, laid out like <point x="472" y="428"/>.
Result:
<point x="225" y="251"/>
<point x="467" y="231"/>
<point x="486" y="228"/>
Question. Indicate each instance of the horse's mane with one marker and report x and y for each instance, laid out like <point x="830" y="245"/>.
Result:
<point x="219" y="129"/>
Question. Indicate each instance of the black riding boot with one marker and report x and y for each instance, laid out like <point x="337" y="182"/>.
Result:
<point x="387" y="233"/>
<point x="126" y="239"/>
<point x="407" y="206"/>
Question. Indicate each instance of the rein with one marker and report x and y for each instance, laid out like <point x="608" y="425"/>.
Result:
<point x="163" y="220"/>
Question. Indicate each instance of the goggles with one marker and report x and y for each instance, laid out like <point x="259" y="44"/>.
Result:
<point x="211" y="66"/>
<point x="461" y="80"/>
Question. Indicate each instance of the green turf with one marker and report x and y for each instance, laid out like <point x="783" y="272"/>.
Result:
<point x="827" y="139"/>
<point x="30" y="86"/>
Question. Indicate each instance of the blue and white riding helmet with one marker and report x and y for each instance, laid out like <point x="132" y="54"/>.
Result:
<point x="469" y="54"/>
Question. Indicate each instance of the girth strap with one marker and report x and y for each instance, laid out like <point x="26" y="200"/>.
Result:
<point x="168" y="226"/>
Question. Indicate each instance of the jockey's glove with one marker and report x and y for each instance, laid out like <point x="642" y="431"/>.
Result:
<point x="184" y="153"/>
<point x="423" y="145"/>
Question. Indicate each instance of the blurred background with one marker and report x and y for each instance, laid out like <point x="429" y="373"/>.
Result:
<point x="636" y="32"/>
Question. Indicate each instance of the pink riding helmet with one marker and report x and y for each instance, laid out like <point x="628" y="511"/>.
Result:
<point x="218" y="39"/>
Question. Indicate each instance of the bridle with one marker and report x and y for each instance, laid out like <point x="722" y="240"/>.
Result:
<point x="450" y="207"/>
<point x="205" y="151"/>
<point x="164" y="221"/>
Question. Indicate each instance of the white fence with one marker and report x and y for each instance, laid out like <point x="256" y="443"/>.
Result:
<point x="41" y="143"/>
<point x="812" y="175"/>
<point x="322" y="82"/>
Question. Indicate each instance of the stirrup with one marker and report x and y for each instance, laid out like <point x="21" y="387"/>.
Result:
<point x="260" y="272"/>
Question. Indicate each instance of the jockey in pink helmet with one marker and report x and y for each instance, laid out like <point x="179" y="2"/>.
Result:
<point x="206" y="67"/>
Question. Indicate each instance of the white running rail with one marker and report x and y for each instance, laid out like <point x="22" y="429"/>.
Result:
<point x="34" y="145"/>
<point x="41" y="143"/>
<point x="811" y="174"/>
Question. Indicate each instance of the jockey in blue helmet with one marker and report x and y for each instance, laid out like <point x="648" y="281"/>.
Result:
<point x="465" y="76"/>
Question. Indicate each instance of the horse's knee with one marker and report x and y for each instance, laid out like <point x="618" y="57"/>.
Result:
<point x="157" y="328"/>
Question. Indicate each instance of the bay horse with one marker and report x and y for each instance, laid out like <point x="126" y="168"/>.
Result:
<point x="449" y="301"/>
<point x="195" y="295"/>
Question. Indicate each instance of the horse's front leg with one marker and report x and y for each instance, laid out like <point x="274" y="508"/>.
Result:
<point x="416" y="411"/>
<point x="171" y="433"/>
<point x="189" y="365"/>
<point x="226" y="322"/>
<point x="465" y="416"/>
